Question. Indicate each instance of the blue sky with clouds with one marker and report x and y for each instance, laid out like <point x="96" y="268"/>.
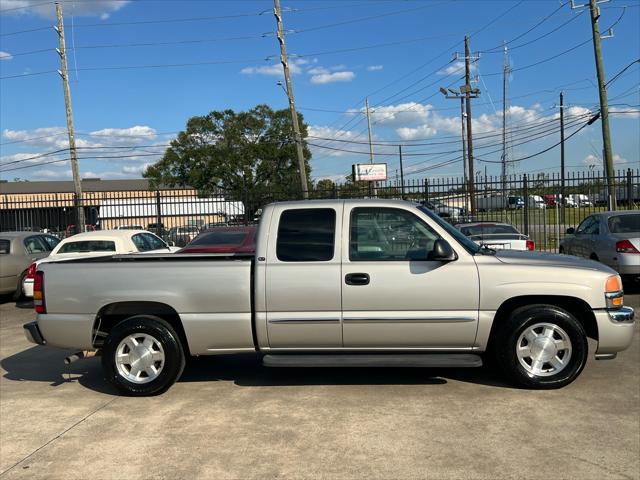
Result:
<point x="140" y="69"/>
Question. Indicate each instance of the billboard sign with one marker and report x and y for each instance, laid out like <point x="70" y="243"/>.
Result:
<point x="369" y="172"/>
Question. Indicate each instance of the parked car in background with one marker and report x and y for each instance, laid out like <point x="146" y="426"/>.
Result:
<point x="18" y="250"/>
<point x="454" y="214"/>
<point x="536" y="201"/>
<point x="71" y="230"/>
<point x="129" y="227"/>
<point x="181" y="236"/>
<point x="499" y="202"/>
<point x="515" y="203"/>
<point x="96" y="244"/>
<point x="224" y="240"/>
<point x="612" y="238"/>
<point x="497" y="236"/>
<point x="157" y="229"/>
<point x="579" y="200"/>
<point x="554" y="199"/>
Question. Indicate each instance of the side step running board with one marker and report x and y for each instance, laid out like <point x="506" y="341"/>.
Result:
<point x="437" y="360"/>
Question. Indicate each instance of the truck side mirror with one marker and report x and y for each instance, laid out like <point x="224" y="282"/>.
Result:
<point x="442" y="252"/>
<point x="571" y="231"/>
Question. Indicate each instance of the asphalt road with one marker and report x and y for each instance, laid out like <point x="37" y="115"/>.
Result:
<point x="231" y="418"/>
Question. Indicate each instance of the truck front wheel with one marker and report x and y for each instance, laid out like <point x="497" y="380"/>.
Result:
<point x="541" y="347"/>
<point x="143" y="356"/>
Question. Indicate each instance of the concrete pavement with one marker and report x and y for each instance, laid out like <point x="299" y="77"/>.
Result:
<point x="231" y="418"/>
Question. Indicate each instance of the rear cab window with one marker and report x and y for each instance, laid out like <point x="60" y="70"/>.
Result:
<point x="5" y="247"/>
<point x="306" y="235"/>
<point x="88" y="246"/>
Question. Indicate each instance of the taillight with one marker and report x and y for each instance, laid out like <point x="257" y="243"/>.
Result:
<point x="625" y="246"/>
<point x="31" y="271"/>
<point x="531" y="245"/>
<point x="38" y="293"/>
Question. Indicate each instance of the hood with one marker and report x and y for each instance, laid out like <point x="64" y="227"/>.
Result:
<point x="543" y="259"/>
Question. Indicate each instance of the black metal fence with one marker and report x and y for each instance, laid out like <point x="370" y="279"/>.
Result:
<point x="541" y="206"/>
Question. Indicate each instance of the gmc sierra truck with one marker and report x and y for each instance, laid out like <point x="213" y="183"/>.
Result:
<point x="340" y="283"/>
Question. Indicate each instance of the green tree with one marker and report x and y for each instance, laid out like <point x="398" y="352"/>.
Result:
<point x="247" y="155"/>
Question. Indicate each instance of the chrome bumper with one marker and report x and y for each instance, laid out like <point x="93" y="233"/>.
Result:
<point x="621" y="315"/>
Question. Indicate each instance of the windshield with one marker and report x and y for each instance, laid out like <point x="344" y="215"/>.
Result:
<point x="625" y="223"/>
<point x="468" y="244"/>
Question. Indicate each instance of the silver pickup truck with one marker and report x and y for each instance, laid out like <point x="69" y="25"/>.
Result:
<point x="341" y="283"/>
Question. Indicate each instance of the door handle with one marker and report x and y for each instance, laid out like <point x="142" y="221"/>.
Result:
<point x="356" y="279"/>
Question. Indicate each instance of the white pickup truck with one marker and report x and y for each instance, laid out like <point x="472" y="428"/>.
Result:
<point x="352" y="283"/>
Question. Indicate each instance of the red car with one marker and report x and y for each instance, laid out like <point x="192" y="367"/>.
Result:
<point x="224" y="240"/>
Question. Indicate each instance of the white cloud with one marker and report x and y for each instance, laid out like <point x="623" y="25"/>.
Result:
<point x="48" y="174"/>
<point x="598" y="162"/>
<point x="457" y="68"/>
<point x="4" y="56"/>
<point x="136" y="169"/>
<point x="47" y="10"/>
<point x="317" y="71"/>
<point x="324" y="78"/>
<point x="125" y="136"/>
<point x="423" y="131"/>
<point x="624" y="112"/>
<point x="374" y="68"/>
<point x="275" y="69"/>
<point x="401" y="114"/>
<point x="329" y="132"/>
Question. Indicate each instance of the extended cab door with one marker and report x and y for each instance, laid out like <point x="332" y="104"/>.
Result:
<point x="302" y="280"/>
<point x="393" y="296"/>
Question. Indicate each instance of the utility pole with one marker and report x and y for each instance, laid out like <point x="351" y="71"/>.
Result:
<point x="562" y="156"/>
<point x="292" y="105"/>
<point x="64" y="73"/>
<point x="451" y="93"/>
<point x="604" y="103"/>
<point x="372" y="185"/>
<point x="505" y="77"/>
<point x="468" y="92"/>
<point x="401" y="171"/>
<point x="366" y="106"/>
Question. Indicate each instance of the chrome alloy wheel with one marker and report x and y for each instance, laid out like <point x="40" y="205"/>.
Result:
<point x="543" y="349"/>
<point x="139" y="358"/>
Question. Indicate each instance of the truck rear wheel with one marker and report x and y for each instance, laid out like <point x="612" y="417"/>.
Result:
<point x="143" y="356"/>
<point x="541" y="347"/>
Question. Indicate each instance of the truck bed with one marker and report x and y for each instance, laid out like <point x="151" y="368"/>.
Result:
<point x="214" y="302"/>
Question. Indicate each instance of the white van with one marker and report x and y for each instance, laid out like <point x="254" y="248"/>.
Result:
<point x="536" y="201"/>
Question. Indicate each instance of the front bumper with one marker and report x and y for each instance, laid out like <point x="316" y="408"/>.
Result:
<point x="33" y="334"/>
<point x="615" y="329"/>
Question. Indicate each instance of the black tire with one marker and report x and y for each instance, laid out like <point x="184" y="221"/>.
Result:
<point x="593" y="256"/>
<point x="19" y="294"/>
<point x="520" y="320"/>
<point x="561" y="250"/>
<point x="160" y="330"/>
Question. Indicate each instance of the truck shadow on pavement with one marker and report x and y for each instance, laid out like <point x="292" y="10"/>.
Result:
<point x="44" y="364"/>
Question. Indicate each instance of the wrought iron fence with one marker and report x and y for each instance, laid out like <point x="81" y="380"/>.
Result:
<point x="542" y="206"/>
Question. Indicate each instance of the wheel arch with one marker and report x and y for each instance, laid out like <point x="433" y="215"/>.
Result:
<point x="112" y="314"/>
<point x="576" y="306"/>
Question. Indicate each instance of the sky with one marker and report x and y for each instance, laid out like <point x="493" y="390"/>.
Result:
<point x="140" y="69"/>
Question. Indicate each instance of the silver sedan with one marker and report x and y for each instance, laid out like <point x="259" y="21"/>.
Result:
<point x="612" y="238"/>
